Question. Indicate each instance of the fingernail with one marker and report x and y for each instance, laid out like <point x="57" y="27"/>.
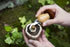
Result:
<point x="44" y="24"/>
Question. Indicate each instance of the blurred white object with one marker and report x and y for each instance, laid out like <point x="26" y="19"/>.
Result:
<point x="11" y="3"/>
<point x="20" y="2"/>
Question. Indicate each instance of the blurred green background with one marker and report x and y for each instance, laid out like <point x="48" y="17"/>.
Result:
<point x="58" y="35"/>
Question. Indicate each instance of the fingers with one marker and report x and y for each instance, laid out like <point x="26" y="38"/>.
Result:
<point x="51" y="21"/>
<point x="30" y="45"/>
<point x="44" y="37"/>
<point x="34" y="42"/>
<point x="40" y="39"/>
<point x="42" y="9"/>
<point x="45" y="40"/>
<point x="25" y="38"/>
<point x="55" y="8"/>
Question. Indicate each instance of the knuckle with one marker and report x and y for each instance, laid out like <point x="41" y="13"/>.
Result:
<point x="55" y="4"/>
<point x="44" y="6"/>
<point x="58" y="21"/>
<point x="47" y="24"/>
<point x="35" y="42"/>
<point x="41" y="7"/>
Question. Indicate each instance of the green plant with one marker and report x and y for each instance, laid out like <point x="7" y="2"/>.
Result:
<point x="59" y="2"/>
<point x="14" y="36"/>
<point x="24" y="21"/>
<point x="43" y="2"/>
<point x="57" y="34"/>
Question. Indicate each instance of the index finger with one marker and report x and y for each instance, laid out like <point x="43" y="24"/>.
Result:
<point x="25" y="38"/>
<point x="42" y="9"/>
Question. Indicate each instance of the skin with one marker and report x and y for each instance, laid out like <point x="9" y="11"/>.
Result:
<point x="42" y="41"/>
<point x="61" y="17"/>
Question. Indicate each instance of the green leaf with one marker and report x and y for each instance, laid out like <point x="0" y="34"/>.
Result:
<point x="18" y="41"/>
<point x="8" y="28"/>
<point x="22" y="19"/>
<point x="16" y="34"/>
<point x="47" y="32"/>
<point x="28" y="22"/>
<point x="60" y="27"/>
<point x="15" y="30"/>
<point x="24" y="25"/>
<point x="24" y="22"/>
<point x="29" y="6"/>
<point x="8" y="40"/>
<point x="67" y="2"/>
<point x="50" y="1"/>
<point x="7" y="35"/>
<point x="47" y="35"/>
<point x="42" y="2"/>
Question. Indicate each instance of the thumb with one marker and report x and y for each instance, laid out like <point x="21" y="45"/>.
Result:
<point x="51" y="21"/>
<point x="34" y="42"/>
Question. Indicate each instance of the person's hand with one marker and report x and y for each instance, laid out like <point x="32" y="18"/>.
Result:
<point x="61" y="16"/>
<point x="41" y="42"/>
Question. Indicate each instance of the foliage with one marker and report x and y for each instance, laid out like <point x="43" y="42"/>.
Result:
<point x="43" y="2"/>
<point x="57" y="34"/>
<point x="62" y="3"/>
<point x="13" y="36"/>
<point x="50" y="1"/>
<point x="59" y="2"/>
<point x="47" y="31"/>
<point x="24" y="22"/>
<point x="9" y="40"/>
<point x="8" y="28"/>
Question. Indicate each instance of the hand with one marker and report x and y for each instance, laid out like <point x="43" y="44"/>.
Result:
<point x="61" y="16"/>
<point x="41" y="42"/>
